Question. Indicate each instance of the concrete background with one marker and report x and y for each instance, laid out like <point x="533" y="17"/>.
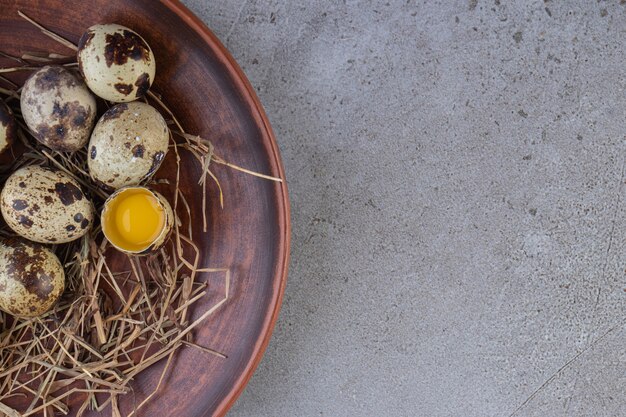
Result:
<point x="456" y="171"/>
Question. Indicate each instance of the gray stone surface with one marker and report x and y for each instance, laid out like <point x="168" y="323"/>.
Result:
<point x="456" y="172"/>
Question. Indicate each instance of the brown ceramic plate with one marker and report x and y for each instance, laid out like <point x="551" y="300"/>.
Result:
<point x="211" y="96"/>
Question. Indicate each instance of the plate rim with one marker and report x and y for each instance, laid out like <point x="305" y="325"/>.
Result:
<point x="284" y="217"/>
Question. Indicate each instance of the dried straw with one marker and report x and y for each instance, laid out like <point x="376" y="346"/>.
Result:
<point x="111" y="324"/>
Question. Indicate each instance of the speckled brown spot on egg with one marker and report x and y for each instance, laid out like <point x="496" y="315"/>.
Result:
<point x="68" y="192"/>
<point x="25" y="221"/>
<point x="138" y="151"/>
<point x="59" y="111"/>
<point x="143" y="84"/>
<point x="85" y="40"/>
<point x="70" y="227"/>
<point x="93" y="152"/>
<point x="34" y="209"/>
<point x="48" y="200"/>
<point x="28" y="270"/>
<point x="125" y="89"/>
<point x="84" y="224"/>
<point x="48" y="79"/>
<point x="127" y="145"/>
<point x="114" y="112"/>
<point x="156" y="162"/>
<point x="22" y="184"/>
<point x="53" y="77"/>
<point x="52" y="135"/>
<point x="122" y="46"/>
<point x="79" y="120"/>
<point x="78" y="217"/>
<point x="71" y="113"/>
<point x="19" y="204"/>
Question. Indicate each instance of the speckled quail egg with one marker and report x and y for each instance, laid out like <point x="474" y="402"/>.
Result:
<point x="8" y="127"/>
<point x="117" y="63"/>
<point x="45" y="205"/>
<point x="127" y="145"/>
<point x="58" y="108"/>
<point x="31" y="278"/>
<point x="137" y="220"/>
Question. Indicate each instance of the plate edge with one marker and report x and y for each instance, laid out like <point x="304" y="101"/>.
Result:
<point x="284" y="216"/>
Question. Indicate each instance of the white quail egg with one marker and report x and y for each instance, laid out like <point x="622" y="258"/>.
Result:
<point x="58" y="108"/>
<point x="45" y="205"/>
<point x="31" y="278"/>
<point x="117" y="63"/>
<point x="127" y="145"/>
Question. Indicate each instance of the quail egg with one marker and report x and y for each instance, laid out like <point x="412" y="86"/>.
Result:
<point x="31" y="278"/>
<point x="58" y="108"/>
<point x="45" y="205"/>
<point x="117" y="63"/>
<point x="127" y="145"/>
<point x="137" y="220"/>
<point x="8" y="127"/>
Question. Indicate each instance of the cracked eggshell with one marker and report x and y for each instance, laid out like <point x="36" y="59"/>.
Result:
<point x="45" y="205"/>
<point x="127" y="145"/>
<point x="31" y="278"/>
<point x="117" y="63"/>
<point x="8" y="127"/>
<point x="58" y="108"/>
<point x="160" y="240"/>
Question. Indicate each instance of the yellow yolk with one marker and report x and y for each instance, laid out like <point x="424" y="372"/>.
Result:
<point x="134" y="219"/>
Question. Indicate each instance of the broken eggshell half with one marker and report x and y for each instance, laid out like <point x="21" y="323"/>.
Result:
<point x="137" y="220"/>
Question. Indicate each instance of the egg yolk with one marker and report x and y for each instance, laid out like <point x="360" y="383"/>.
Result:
<point x="134" y="219"/>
